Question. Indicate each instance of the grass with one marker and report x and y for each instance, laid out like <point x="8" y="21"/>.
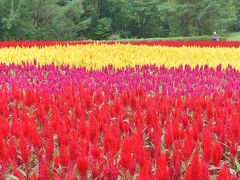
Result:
<point x="195" y="38"/>
<point x="234" y="37"/>
<point x="189" y="38"/>
<point x="228" y="37"/>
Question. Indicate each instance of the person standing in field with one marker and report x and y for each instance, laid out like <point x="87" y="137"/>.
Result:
<point x="215" y="37"/>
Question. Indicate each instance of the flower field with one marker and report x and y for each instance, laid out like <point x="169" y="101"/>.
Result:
<point x="105" y="110"/>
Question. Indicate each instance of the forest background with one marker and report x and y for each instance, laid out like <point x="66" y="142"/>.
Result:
<point x="117" y="19"/>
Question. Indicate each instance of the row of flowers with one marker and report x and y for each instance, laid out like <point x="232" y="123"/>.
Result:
<point x="182" y="80"/>
<point x="229" y="44"/>
<point x="105" y="134"/>
<point x="96" y="56"/>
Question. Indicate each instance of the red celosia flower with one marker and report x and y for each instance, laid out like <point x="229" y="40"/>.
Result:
<point x="175" y="127"/>
<point x="82" y="166"/>
<point x="43" y="171"/>
<point x="206" y="145"/>
<point x="187" y="147"/>
<point x="177" y="172"/>
<point x="233" y="148"/>
<point x="197" y="170"/>
<point x="204" y="172"/>
<point x="195" y="166"/>
<point x="146" y="171"/>
<point x="70" y="174"/>
<point x="36" y="138"/>
<point x="64" y="156"/>
<point x="117" y="107"/>
<point x="111" y="171"/>
<point x="219" y="127"/>
<point x="93" y="127"/>
<point x="126" y="153"/>
<point x="125" y="159"/>
<point x="163" y="170"/>
<point x="188" y="173"/>
<point x="133" y="103"/>
<point x="195" y="131"/>
<point x="49" y="150"/>
<point x="125" y="98"/>
<point x="217" y="152"/>
<point x="12" y="150"/>
<point x="169" y="137"/>
<point x="96" y="151"/>
<point x="23" y="146"/>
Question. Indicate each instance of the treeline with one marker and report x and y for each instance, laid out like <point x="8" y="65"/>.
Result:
<point x="115" y="19"/>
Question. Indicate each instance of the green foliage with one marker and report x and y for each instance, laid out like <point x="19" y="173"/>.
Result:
<point x="237" y="8"/>
<point x="70" y="23"/>
<point x="103" y="28"/>
<point x="144" y="14"/>
<point x="201" y="17"/>
<point x="116" y="19"/>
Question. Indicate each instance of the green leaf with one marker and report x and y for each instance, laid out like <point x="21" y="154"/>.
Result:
<point x="11" y="177"/>
<point x="237" y="164"/>
<point x="22" y="172"/>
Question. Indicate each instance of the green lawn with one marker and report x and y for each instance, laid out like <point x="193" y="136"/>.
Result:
<point x="228" y="37"/>
<point x="234" y="37"/>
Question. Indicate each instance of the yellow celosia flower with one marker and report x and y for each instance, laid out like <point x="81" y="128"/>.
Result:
<point x="95" y="56"/>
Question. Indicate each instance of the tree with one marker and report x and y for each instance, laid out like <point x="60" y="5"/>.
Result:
<point x="70" y="23"/>
<point x="28" y="19"/>
<point x="144" y="14"/>
<point x="112" y="19"/>
<point x="237" y="10"/>
<point x="9" y="18"/>
<point x="199" y="17"/>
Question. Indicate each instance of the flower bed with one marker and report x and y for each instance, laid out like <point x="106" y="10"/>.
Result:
<point x="119" y="111"/>
<point x="96" y="56"/>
